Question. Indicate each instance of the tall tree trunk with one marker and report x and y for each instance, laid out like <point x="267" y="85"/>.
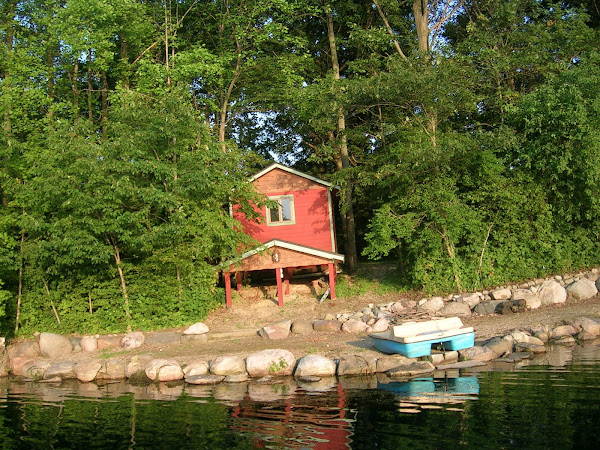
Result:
<point x="20" y="281"/>
<point x="421" y="16"/>
<point x="8" y="19"/>
<point x="117" y="256"/>
<point x="348" y="214"/>
<point x="90" y="89"/>
<point x="104" y="112"/>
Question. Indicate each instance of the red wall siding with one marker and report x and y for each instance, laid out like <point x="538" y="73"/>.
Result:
<point x="312" y="226"/>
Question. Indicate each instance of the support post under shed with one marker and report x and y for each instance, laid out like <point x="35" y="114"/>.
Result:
<point x="279" y="287"/>
<point x="331" y="268"/>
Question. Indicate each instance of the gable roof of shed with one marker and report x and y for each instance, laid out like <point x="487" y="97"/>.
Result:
<point x="294" y="172"/>
<point x="287" y="245"/>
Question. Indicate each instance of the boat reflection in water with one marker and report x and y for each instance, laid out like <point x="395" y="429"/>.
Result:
<point x="432" y="393"/>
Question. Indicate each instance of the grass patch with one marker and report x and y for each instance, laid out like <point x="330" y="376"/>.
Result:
<point x="378" y="278"/>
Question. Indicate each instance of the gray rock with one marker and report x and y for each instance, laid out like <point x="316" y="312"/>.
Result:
<point x="274" y="362"/>
<point x="411" y="370"/>
<point x="195" y="368"/>
<point x="590" y="326"/>
<point x="531" y="298"/>
<point x="501" y="346"/>
<point x="136" y="366"/>
<point x="76" y="343"/>
<point x="35" y="368"/>
<point x="388" y="362"/>
<point x="354" y="326"/>
<point x="478" y="353"/>
<point x="302" y="327"/>
<point x="113" y="369"/>
<point x="501" y="294"/>
<point x="205" y="380"/>
<point x="563" y="330"/>
<point x="63" y="370"/>
<point x="164" y="370"/>
<point x="315" y="365"/>
<point x="552" y="292"/>
<point x="451" y="309"/>
<point x="236" y="378"/>
<point x="461" y="365"/>
<point x="582" y="289"/>
<point x="197" y="328"/>
<point x="432" y="305"/>
<point x="133" y="340"/>
<point x="564" y="340"/>
<point x="529" y="348"/>
<point x="356" y="365"/>
<point x="380" y="326"/>
<point x="470" y="299"/>
<point x="163" y="339"/>
<point x="327" y="326"/>
<point x="278" y="330"/>
<point x="488" y="307"/>
<point x="86" y="371"/>
<point x="227" y="365"/>
<point x="25" y="349"/>
<point x="88" y="344"/>
<point x="54" y="345"/>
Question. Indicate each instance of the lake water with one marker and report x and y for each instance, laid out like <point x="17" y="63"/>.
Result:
<point x="552" y="401"/>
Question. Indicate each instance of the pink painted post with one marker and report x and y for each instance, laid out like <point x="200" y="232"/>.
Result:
<point x="331" y="268"/>
<point x="227" y="289"/>
<point x="279" y="287"/>
<point x="238" y="281"/>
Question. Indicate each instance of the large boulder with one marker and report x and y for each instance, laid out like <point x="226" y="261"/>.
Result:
<point x="55" y="345"/>
<point x="356" y="365"/>
<point x="195" y="368"/>
<point x="582" y="289"/>
<point x="315" y="365"/>
<point x="563" y="330"/>
<point x="587" y="325"/>
<point x="354" y="326"/>
<point x="552" y="292"/>
<point x="432" y="305"/>
<point x="278" y="330"/>
<point x="327" y="326"/>
<point x="501" y="346"/>
<point x="88" y="343"/>
<point x="381" y="325"/>
<point x="227" y="365"/>
<point x="26" y="349"/>
<point x="302" y="327"/>
<point x="488" y="307"/>
<point x="470" y="299"/>
<point x="197" y="328"/>
<point x="133" y="340"/>
<point x="501" y="294"/>
<point x="63" y="370"/>
<point x="113" y="369"/>
<point x="270" y="362"/>
<point x="35" y="368"/>
<point x="478" y="353"/>
<point x="411" y="370"/>
<point x="164" y="370"/>
<point x="531" y="298"/>
<point x="452" y="309"/>
<point x="86" y="371"/>
<point x="387" y="362"/>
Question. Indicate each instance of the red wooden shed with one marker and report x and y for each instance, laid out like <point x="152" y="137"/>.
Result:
<point x="298" y="233"/>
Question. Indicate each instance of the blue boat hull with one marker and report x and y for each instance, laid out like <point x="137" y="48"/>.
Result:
<point x="423" y="348"/>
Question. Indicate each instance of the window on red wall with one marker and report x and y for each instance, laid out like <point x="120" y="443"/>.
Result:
<point x="284" y="213"/>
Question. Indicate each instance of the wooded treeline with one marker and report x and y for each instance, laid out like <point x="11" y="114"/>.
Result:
<point x="464" y="134"/>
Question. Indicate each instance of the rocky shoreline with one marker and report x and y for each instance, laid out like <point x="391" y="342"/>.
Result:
<point x="55" y="358"/>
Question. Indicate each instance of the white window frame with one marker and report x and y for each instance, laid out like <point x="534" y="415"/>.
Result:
<point x="280" y="222"/>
